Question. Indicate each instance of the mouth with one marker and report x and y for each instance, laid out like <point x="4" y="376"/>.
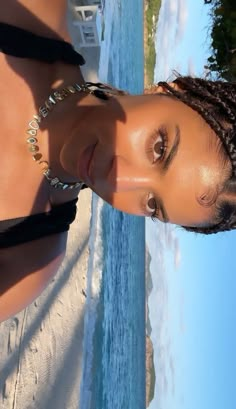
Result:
<point x="84" y="163"/>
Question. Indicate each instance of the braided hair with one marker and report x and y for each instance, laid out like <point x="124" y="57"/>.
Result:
<point x="215" y="101"/>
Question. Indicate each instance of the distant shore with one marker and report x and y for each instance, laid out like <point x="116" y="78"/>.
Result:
<point x="151" y="14"/>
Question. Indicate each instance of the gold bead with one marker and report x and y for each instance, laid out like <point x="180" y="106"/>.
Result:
<point x="37" y="157"/>
<point x="37" y="118"/>
<point x="71" y="89"/>
<point x="54" y="181"/>
<point x="32" y="140"/>
<point x="65" y="92"/>
<point x="49" y="105"/>
<point x="58" y="96"/>
<point x="34" y="124"/>
<point x="44" y="165"/>
<point x="33" y="148"/>
<point x="43" y="111"/>
<point x="52" y="100"/>
<point x="78" y="87"/>
<point x="31" y="132"/>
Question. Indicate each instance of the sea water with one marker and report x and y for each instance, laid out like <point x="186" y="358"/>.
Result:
<point x="113" y="374"/>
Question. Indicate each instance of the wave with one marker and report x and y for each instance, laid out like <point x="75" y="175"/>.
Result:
<point x="94" y="281"/>
<point x="106" y="46"/>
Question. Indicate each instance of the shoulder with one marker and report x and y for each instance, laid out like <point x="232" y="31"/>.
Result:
<point x="26" y="270"/>
<point x="42" y="17"/>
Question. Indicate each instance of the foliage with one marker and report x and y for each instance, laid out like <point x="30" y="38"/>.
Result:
<point x="222" y="62"/>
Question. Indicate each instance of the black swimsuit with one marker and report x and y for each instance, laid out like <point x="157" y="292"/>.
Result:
<point x="20" y="43"/>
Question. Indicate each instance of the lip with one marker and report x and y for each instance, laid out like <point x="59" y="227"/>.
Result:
<point x="84" y="162"/>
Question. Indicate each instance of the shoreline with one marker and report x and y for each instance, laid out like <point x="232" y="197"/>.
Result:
<point x="145" y="37"/>
<point x="150" y="18"/>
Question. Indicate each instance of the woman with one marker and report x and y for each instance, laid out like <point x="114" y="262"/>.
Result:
<point x="170" y="155"/>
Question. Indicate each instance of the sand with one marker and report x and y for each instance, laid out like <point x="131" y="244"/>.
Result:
<point x="41" y="348"/>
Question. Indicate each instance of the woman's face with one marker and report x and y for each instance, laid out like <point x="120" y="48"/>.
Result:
<point x="158" y="158"/>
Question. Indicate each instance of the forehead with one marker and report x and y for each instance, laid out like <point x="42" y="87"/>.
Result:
<point x="169" y="105"/>
<point x="196" y="176"/>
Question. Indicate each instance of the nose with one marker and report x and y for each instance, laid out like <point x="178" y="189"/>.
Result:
<point x="125" y="176"/>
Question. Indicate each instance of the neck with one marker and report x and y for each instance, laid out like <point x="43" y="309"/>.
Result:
<point x="61" y="125"/>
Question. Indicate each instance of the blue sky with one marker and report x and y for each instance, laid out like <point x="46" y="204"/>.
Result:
<point x="192" y="309"/>
<point x="193" y="302"/>
<point x="182" y="37"/>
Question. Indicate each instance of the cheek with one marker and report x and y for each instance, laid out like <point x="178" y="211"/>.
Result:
<point x="129" y="141"/>
<point x="128" y="202"/>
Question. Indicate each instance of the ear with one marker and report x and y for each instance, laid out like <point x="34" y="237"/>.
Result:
<point x="174" y="85"/>
<point x="161" y="89"/>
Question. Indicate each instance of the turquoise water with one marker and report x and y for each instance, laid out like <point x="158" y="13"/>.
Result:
<point x="114" y="341"/>
<point x="122" y="54"/>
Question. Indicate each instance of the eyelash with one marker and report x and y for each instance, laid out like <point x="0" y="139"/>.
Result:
<point x="162" y="133"/>
<point x="153" y="140"/>
<point x="154" y="214"/>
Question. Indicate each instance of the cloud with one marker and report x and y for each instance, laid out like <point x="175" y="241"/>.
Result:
<point x="172" y="370"/>
<point x="177" y="254"/>
<point x="191" y="68"/>
<point x="182" y="325"/>
<point x="170" y="30"/>
<point x="182" y="16"/>
<point x="172" y="244"/>
<point x="164" y="247"/>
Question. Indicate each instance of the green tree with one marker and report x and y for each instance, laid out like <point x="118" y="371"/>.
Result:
<point x="222" y="62"/>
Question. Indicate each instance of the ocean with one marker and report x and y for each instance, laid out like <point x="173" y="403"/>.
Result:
<point x="113" y="375"/>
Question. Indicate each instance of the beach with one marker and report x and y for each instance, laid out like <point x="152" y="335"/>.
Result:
<point x="41" y="348"/>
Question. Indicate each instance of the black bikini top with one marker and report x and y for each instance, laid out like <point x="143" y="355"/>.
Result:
<point x="23" y="229"/>
<point x="21" y="43"/>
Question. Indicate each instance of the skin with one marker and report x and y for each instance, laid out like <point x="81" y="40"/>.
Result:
<point x="126" y="169"/>
<point x="132" y="136"/>
<point x="24" y="86"/>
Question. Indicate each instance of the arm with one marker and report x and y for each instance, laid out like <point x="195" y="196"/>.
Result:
<point x="26" y="270"/>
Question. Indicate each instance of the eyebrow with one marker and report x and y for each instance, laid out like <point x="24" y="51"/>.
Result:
<point x="174" y="149"/>
<point x="167" y="162"/>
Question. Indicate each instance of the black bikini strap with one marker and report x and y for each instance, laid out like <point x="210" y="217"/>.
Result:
<point x="21" y="43"/>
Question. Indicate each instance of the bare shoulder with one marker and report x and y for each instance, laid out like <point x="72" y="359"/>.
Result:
<point x="26" y="270"/>
<point x="42" y="17"/>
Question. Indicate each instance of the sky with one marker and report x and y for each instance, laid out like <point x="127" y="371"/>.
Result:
<point x="193" y="302"/>
<point x="182" y="40"/>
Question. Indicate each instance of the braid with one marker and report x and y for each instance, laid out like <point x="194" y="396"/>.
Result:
<point x="220" y="93"/>
<point x="215" y="101"/>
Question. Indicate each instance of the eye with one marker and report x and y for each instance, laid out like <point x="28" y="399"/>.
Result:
<point x="157" y="145"/>
<point x="151" y="206"/>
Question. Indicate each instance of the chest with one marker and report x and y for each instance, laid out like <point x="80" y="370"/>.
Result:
<point x="23" y="187"/>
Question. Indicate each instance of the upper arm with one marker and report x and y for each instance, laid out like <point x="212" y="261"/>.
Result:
<point x="42" y="17"/>
<point x="27" y="270"/>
